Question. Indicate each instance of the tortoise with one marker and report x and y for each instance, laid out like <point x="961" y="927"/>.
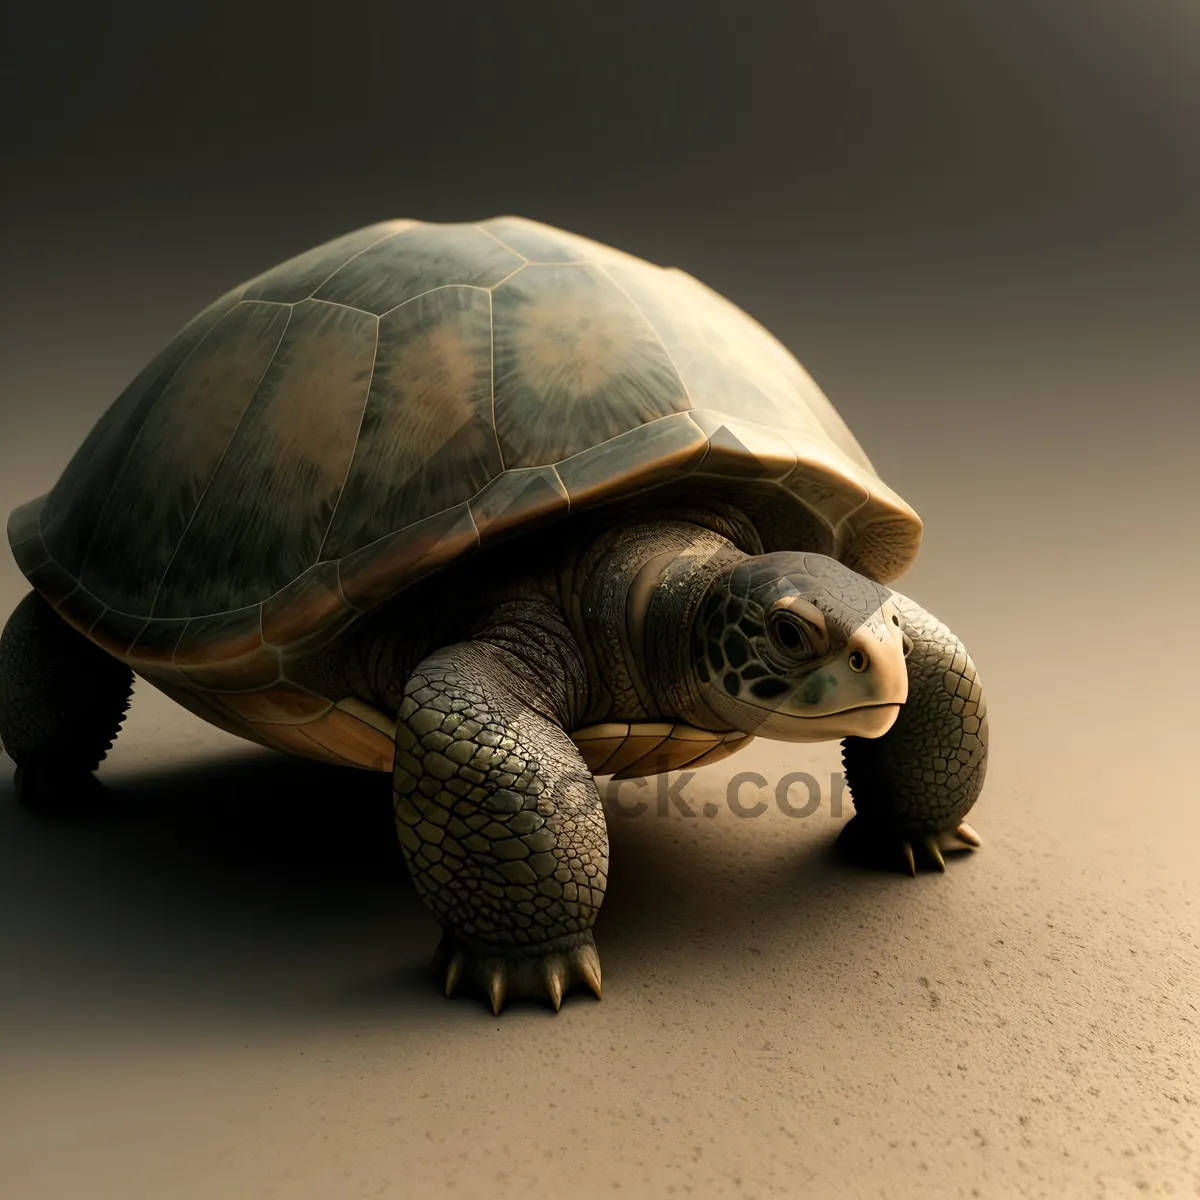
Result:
<point x="498" y="509"/>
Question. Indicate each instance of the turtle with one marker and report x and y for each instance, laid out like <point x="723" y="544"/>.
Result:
<point x="497" y="509"/>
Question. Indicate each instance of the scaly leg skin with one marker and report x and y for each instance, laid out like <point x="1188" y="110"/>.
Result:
<point x="913" y="786"/>
<point x="62" y="702"/>
<point x="501" y="823"/>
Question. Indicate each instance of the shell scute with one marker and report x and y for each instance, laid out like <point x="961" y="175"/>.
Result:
<point x="714" y="355"/>
<point x="311" y="604"/>
<point x="180" y="444"/>
<point x="227" y="635"/>
<point x="427" y="441"/>
<point x="408" y="264"/>
<point x="756" y="339"/>
<point x="155" y="645"/>
<point x="249" y="673"/>
<point x="517" y="500"/>
<point x="576" y="364"/>
<point x="299" y="277"/>
<point x="639" y="458"/>
<point x="53" y="581"/>
<point x="536" y="243"/>
<point x="73" y="510"/>
<point x="24" y="523"/>
<point x="116" y="632"/>
<point x="81" y="609"/>
<point x="282" y="704"/>
<point x="347" y="737"/>
<point x="739" y="450"/>
<point x="268" y="503"/>
<point x="368" y="577"/>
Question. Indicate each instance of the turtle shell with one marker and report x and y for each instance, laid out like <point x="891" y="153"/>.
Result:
<point x="379" y="407"/>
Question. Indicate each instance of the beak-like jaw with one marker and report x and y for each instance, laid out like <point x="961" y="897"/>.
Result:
<point x="855" y="692"/>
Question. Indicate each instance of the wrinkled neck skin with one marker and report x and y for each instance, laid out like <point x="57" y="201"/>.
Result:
<point x="629" y="599"/>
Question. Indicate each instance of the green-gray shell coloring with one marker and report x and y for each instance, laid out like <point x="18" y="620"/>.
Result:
<point x="390" y="401"/>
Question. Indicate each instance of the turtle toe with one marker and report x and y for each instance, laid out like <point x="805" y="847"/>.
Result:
<point x="864" y="844"/>
<point x="499" y="974"/>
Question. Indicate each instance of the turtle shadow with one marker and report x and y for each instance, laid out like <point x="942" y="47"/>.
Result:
<point x="250" y="884"/>
<point x="707" y="894"/>
<point x="659" y="873"/>
<point x="258" y="884"/>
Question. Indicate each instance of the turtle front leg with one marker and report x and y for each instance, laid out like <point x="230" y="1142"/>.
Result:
<point x="914" y="785"/>
<point x="500" y="820"/>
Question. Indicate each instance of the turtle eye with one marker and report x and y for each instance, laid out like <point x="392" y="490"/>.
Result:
<point x="791" y="635"/>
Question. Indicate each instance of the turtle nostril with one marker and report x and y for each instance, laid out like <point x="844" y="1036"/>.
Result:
<point x="858" y="661"/>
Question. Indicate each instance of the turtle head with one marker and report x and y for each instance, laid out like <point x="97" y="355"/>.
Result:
<point x="797" y="647"/>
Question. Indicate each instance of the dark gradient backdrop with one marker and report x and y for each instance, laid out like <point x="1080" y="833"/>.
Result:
<point x="977" y="225"/>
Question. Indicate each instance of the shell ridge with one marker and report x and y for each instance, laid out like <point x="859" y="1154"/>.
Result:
<point x="441" y="287"/>
<point x="336" y="304"/>
<point x="398" y="233"/>
<point x="674" y="416"/>
<point x="500" y="282"/>
<point x="350" y="458"/>
<point x="224" y="454"/>
<point x="139" y="616"/>
<point x="561" y="484"/>
<point x="464" y="505"/>
<point x="502" y="242"/>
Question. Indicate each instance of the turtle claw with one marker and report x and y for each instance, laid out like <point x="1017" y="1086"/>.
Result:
<point x="503" y="973"/>
<point x="496" y="990"/>
<point x="588" y="963"/>
<point x="454" y="970"/>
<point x="932" y="849"/>
<point x="966" y="834"/>
<point x="554" y="986"/>
<point x="876" y="846"/>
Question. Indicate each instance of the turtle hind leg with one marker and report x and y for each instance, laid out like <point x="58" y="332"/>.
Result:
<point x="62" y="701"/>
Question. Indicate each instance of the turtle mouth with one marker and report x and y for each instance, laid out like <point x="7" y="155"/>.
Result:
<point x="869" y="720"/>
<point x="859" y="720"/>
<point x="892" y="706"/>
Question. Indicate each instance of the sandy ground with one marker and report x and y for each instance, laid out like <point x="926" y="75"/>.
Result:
<point x="217" y="988"/>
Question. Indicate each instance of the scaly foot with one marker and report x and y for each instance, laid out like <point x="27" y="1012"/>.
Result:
<point x="503" y="972"/>
<point x="869" y="845"/>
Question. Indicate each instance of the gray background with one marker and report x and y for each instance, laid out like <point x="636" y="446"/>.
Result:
<point x="976" y="224"/>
